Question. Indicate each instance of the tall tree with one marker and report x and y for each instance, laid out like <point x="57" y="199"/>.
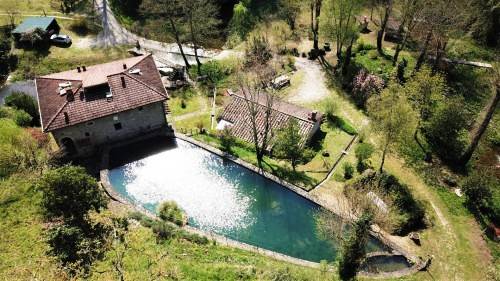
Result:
<point x="340" y="25"/>
<point x="315" y="6"/>
<point x="392" y="116"/>
<point x="384" y="8"/>
<point x="425" y="91"/>
<point x="259" y="109"/>
<point x="289" y="144"/>
<point x="202" y="20"/>
<point x="171" y="10"/>
<point x="290" y="10"/>
<point x="439" y="20"/>
<point x="352" y="237"/>
<point x="410" y="14"/>
<point x="479" y="131"/>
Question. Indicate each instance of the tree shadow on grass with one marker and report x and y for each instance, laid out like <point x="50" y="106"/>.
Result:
<point x="298" y="178"/>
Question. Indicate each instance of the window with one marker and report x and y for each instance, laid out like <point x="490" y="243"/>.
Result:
<point x="91" y="123"/>
<point x="118" y="126"/>
<point x="140" y="108"/>
<point x="87" y="134"/>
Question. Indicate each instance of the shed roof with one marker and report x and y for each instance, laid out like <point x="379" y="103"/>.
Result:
<point x="31" y="23"/>
<point x="237" y="113"/>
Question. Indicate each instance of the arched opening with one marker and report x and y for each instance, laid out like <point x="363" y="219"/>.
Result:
<point x="68" y="146"/>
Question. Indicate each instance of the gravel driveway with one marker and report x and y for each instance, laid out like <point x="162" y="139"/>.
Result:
<point x="313" y="85"/>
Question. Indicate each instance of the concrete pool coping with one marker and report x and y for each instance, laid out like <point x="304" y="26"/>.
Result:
<point x="376" y="232"/>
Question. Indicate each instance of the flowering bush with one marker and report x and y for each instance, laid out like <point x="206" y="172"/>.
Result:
<point x="364" y="86"/>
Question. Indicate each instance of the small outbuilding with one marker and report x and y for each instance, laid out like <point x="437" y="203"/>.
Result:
<point x="48" y="24"/>
<point x="236" y="116"/>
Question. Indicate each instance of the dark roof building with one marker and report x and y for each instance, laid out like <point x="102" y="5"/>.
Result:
<point x="128" y="83"/>
<point x="236" y="116"/>
<point x="92" y="105"/>
<point x="47" y="24"/>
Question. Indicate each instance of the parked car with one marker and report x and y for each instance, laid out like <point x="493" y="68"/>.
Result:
<point x="281" y="82"/>
<point x="60" y="38"/>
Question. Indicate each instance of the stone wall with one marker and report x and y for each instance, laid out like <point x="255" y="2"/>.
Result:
<point x="89" y="135"/>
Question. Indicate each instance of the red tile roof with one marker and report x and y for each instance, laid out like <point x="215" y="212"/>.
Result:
<point x="140" y="89"/>
<point x="237" y="113"/>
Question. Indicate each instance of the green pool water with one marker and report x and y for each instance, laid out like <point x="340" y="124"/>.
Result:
<point x="222" y="197"/>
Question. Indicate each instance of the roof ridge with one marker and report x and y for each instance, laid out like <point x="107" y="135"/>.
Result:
<point x="60" y="109"/>
<point x="145" y="56"/>
<point x="151" y="88"/>
<point x="280" y="111"/>
<point x="55" y="115"/>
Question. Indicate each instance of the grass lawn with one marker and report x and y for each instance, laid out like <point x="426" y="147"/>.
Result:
<point x="57" y="59"/>
<point x="31" y="6"/>
<point x="22" y="240"/>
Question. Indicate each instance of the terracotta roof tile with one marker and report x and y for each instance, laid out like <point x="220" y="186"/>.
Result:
<point x="237" y="112"/>
<point x="140" y="89"/>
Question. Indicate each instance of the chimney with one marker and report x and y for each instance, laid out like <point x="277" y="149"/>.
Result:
<point x="314" y="113"/>
<point x="84" y="68"/>
<point x="69" y="95"/>
<point x="66" y="117"/>
<point x="123" y="82"/>
<point x="78" y="69"/>
<point x="124" y="66"/>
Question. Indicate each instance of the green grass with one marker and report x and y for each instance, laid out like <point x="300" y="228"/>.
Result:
<point x="22" y="244"/>
<point x="382" y="65"/>
<point x="181" y="260"/>
<point x="33" y="63"/>
<point x="192" y="104"/>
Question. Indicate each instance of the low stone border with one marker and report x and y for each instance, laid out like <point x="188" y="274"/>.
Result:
<point x="396" y="250"/>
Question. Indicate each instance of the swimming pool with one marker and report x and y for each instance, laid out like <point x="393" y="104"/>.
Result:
<point x="222" y="197"/>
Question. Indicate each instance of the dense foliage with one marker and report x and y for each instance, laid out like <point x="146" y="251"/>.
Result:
<point x="353" y="251"/>
<point x="407" y="213"/>
<point x="169" y="211"/>
<point x="289" y="144"/>
<point x="70" y="193"/>
<point x="482" y="191"/>
<point x="26" y="103"/>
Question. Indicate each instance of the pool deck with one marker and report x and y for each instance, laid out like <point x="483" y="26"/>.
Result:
<point x="392" y="242"/>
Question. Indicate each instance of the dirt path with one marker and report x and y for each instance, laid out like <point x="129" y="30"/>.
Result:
<point x="115" y="34"/>
<point x="313" y="85"/>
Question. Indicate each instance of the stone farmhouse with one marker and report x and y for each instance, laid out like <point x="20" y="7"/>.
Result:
<point x="90" y="106"/>
<point x="236" y="116"/>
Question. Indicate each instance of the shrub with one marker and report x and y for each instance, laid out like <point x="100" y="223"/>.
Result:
<point x="164" y="230"/>
<point x="77" y="247"/>
<point x="169" y="211"/>
<point x="343" y="125"/>
<point x="482" y="193"/>
<point x="69" y="192"/>
<point x="193" y="237"/>
<point x="215" y="71"/>
<point x="330" y="107"/>
<point x="363" y="46"/>
<point x="407" y="214"/>
<point x="257" y="51"/>
<point x="446" y="129"/>
<point x="348" y="170"/>
<point x="363" y="152"/>
<point x="366" y="85"/>
<point x="24" y="102"/>
<point x="20" y="117"/>
<point x="353" y="250"/>
<point x="227" y="139"/>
